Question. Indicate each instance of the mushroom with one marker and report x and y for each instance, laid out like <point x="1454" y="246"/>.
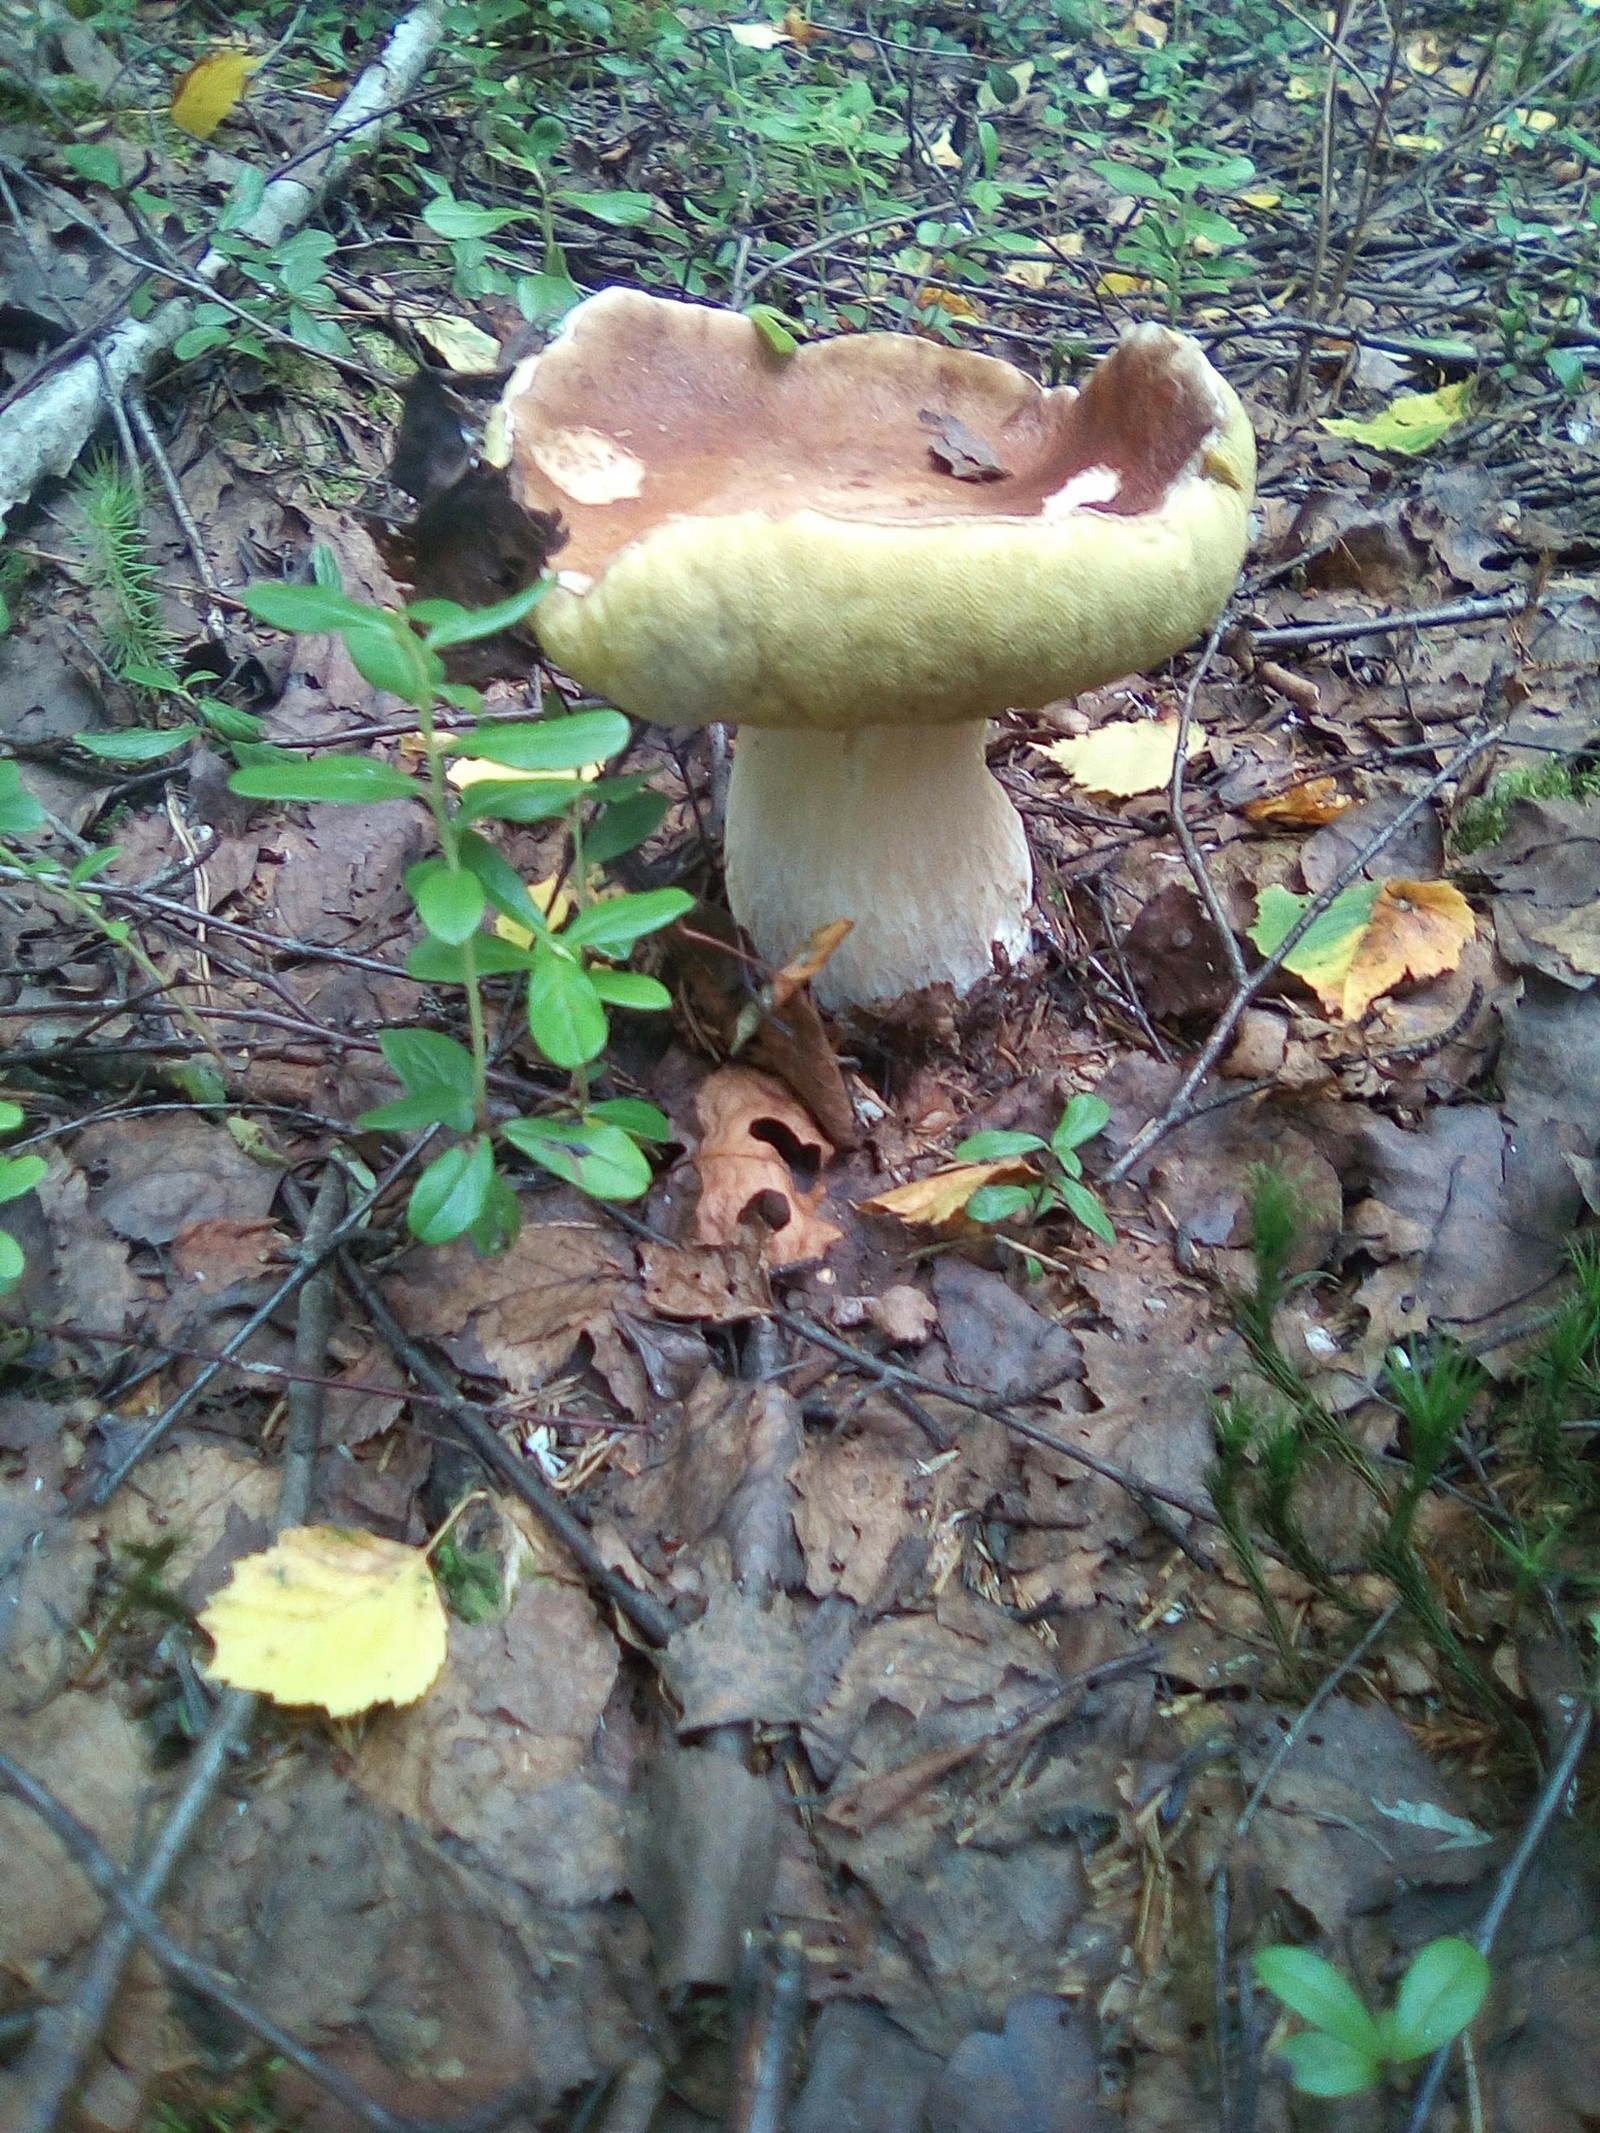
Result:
<point x="858" y="554"/>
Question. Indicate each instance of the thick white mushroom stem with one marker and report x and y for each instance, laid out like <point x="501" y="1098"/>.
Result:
<point x="901" y="829"/>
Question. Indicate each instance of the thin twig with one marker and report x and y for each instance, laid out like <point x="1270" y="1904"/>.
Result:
<point x="1550" y="1799"/>
<point x="143" y="1925"/>
<point x="1198" y="869"/>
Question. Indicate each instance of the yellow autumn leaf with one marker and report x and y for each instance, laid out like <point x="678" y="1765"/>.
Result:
<point x="341" y="1620"/>
<point x="932" y="1201"/>
<point x="758" y="36"/>
<point x="1418" y="929"/>
<point x="1126" y="757"/>
<point x="554" y="902"/>
<point x="1305" y="806"/>
<point x="465" y="348"/>
<point x="1263" y="202"/>
<point x="1413" y="423"/>
<point x="1116" y="283"/>
<point x="1370" y="939"/>
<point x="210" y="89"/>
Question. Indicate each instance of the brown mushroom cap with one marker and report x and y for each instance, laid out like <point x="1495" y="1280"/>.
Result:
<point x="773" y="540"/>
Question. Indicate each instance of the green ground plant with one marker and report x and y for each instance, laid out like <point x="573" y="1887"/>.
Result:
<point x="1482" y="820"/>
<point x="1345" y="2048"/>
<point x="568" y="971"/>
<point x="1062" y="1184"/>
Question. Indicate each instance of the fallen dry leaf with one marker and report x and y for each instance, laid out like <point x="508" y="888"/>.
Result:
<point x="1306" y="806"/>
<point x="340" y="1620"/>
<point x="1126" y="757"/>
<point x="1373" y="937"/>
<point x="745" y="1119"/>
<point x="939" y="1198"/>
<point x="958" y="449"/>
<point x="811" y="959"/>
<point x="210" y="89"/>
<point x="466" y="348"/>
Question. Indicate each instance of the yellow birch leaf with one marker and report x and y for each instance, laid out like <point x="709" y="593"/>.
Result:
<point x="210" y="89"/>
<point x="1301" y="89"/>
<point x="478" y="770"/>
<point x="1413" y="423"/>
<point x="1126" y="757"/>
<point x="932" y="1201"/>
<point x="1028" y="273"/>
<point x="1263" y="202"/>
<point x="758" y="36"/>
<point x="1116" y="283"/>
<point x="1418" y="929"/>
<point x="466" y="348"/>
<point x="341" y="1620"/>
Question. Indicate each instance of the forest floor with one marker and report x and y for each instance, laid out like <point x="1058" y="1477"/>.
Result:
<point x="972" y="1640"/>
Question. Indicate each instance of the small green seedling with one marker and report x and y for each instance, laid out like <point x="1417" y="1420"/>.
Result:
<point x="18" y="1174"/>
<point x="1346" y="2048"/>
<point x="1061" y="1186"/>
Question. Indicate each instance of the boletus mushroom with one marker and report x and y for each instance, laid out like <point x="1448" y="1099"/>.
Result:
<point x="859" y="553"/>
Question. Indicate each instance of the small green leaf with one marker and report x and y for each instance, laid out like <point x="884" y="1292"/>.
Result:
<point x="997" y="1147"/>
<point x="452" y="1193"/>
<point x="501" y="882"/>
<point x="347" y="780"/>
<point x="1439" y="1997"/>
<point x="644" y="1121"/>
<point x="450" y="902"/>
<point x="998" y="1203"/>
<point x="614" y="925"/>
<point x="434" y="962"/>
<point x="773" y="328"/>
<point x="1080" y="1201"/>
<point x="1314" y="1989"/>
<point x="550" y="744"/>
<point x="11" y="1117"/>
<point x="630" y="988"/>
<point x="1320" y="2065"/>
<point x="144" y="745"/>
<point x="1129" y="179"/>
<point x="619" y="210"/>
<point x="519" y="799"/>
<point x="496" y="1228"/>
<point x="391" y="658"/>
<point x="97" y="161"/>
<point x="622" y="826"/>
<point x="1084" y="1117"/>
<point x="456" y="219"/>
<point x="426" y="1059"/>
<point x="307" y="610"/>
<point x="597" y="1157"/>
<point x="20" y="812"/>
<point x="566" y="1017"/>
<point x="20" y="1174"/>
<point x="12" y="1262"/>
<point x="228" y="720"/>
<point x="468" y="625"/>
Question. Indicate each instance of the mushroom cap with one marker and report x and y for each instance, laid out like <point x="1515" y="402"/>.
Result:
<point x="781" y="540"/>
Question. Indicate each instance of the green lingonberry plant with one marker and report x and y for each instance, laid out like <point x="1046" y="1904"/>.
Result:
<point x="18" y="1174"/>
<point x="568" y="968"/>
<point x="1062" y="1183"/>
<point x="1346" y="2047"/>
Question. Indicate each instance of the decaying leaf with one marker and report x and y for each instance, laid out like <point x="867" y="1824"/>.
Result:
<point x="208" y="92"/>
<point x="1411" y="424"/>
<point x="958" y="449"/>
<point x="341" y="1620"/>
<point x="939" y="1198"/>
<point x="1373" y="937"/>
<point x="1305" y="806"/>
<point x="1126" y="757"/>
<point x="746" y="1119"/>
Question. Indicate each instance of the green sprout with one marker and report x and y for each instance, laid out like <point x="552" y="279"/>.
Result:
<point x="1345" y="2047"/>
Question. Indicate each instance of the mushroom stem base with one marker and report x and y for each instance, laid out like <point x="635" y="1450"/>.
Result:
<point x="900" y="829"/>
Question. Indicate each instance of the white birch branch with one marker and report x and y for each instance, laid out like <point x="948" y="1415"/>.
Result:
<point x="46" y="429"/>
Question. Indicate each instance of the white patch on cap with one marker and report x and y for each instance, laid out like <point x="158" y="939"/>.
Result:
<point x="588" y="466"/>
<point x="1090" y="485"/>
<point x="575" y="581"/>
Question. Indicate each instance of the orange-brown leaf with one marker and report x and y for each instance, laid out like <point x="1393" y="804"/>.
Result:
<point x="1306" y="806"/>
<point x="746" y="1188"/>
<point x="1418" y="929"/>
